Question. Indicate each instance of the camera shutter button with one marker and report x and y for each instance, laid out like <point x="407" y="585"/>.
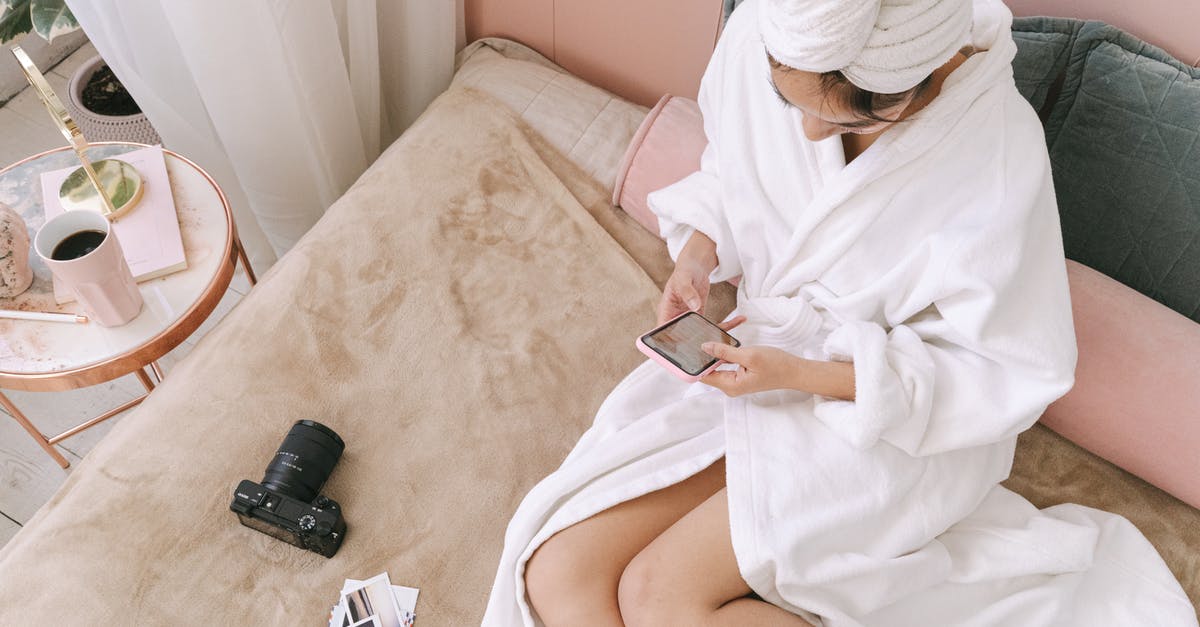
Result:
<point x="307" y="522"/>
<point x="321" y="502"/>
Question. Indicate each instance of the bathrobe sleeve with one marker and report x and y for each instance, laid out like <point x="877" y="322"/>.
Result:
<point x="993" y="347"/>
<point x="695" y="203"/>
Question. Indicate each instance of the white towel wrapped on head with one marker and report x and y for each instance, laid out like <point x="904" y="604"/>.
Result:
<point x="884" y="46"/>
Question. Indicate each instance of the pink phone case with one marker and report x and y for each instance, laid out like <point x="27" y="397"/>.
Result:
<point x="665" y="363"/>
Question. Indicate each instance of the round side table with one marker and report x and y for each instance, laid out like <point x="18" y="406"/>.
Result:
<point x="54" y="356"/>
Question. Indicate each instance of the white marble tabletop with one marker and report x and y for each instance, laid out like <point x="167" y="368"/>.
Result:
<point x="46" y="349"/>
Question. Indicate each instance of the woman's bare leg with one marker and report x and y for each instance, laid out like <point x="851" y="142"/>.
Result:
<point x="688" y="576"/>
<point x="572" y="578"/>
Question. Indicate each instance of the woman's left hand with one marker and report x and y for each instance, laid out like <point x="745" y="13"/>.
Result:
<point x="760" y="368"/>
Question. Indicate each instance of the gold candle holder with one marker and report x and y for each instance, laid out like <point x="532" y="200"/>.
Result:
<point x="116" y="187"/>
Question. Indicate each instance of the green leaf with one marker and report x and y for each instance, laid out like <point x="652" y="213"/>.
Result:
<point x="14" y="20"/>
<point x="52" y="18"/>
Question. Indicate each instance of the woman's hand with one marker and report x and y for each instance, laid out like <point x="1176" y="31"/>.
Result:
<point x="762" y="368"/>
<point x="687" y="288"/>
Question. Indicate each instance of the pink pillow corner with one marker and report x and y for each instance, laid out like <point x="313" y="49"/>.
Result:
<point x="665" y="149"/>
<point x="1134" y="400"/>
<point x="635" y="143"/>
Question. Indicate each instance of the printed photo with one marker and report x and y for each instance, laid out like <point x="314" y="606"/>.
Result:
<point x="373" y="599"/>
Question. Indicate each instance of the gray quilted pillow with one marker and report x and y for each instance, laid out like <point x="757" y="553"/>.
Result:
<point x="1043" y="48"/>
<point x="1124" y="139"/>
<point x="729" y="5"/>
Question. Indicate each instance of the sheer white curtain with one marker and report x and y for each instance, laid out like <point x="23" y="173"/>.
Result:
<point x="284" y="102"/>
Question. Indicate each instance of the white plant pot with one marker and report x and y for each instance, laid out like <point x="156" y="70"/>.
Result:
<point x="97" y="127"/>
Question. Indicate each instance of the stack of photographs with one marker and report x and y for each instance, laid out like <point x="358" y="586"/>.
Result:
<point x="374" y="603"/>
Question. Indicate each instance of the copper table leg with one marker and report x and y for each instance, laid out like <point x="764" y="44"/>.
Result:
<point x="97" y="420"/>
<point x="158" y="372"/>
<point x="241" y="253"/>
<point x="33" y="431"/>
<point x="145" y="379"/>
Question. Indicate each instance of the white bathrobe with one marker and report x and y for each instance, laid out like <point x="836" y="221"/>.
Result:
<point x="934" y="262"/>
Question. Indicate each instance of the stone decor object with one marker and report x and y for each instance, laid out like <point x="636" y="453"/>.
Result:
<point x="15" y="273"/>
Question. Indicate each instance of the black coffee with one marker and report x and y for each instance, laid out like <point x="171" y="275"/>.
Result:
<point x="77" y="245"/>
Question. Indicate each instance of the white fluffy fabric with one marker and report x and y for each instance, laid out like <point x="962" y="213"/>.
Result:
<point x="883" y="46"/>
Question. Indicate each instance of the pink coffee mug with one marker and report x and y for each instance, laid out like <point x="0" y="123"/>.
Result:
<point x="100" y="280"/>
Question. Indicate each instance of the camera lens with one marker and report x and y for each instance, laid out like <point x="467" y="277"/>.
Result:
<point x="304" y="460"/>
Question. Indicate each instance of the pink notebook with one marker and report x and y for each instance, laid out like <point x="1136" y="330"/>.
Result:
<point x="149" y="233"/>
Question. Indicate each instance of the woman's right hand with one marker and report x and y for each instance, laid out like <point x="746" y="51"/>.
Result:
<point x="686" y="290"/>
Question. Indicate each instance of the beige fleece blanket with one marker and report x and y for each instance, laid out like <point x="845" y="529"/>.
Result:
<point x="457" y="317"/>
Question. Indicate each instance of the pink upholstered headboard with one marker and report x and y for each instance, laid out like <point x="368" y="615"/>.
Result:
<point x="639" y="49"/>
<point x="1168" y="24"/>
<point x="642" y="49"/>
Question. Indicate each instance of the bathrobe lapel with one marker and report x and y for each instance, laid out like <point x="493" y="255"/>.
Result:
<point x="854" y="194"/>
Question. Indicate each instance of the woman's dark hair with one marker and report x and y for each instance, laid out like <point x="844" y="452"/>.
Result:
<point x="865" y="103"/>
<point x="862" y="102"/>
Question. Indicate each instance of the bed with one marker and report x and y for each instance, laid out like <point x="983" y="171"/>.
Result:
<point x="456" y="317"/>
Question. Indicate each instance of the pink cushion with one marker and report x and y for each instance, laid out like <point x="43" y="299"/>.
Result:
<point x="1135" y="400"/>
<point x="665" y="149"/>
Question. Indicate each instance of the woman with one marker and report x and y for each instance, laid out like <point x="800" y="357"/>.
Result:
<point x="884" y="193"/>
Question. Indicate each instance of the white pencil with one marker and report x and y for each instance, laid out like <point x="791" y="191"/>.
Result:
<point x="43" y="316"/>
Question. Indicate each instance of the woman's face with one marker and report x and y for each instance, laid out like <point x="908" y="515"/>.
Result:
<point x="826" y="111"/>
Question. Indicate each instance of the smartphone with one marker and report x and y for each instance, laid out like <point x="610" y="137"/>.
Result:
<point x="676" y="345"/>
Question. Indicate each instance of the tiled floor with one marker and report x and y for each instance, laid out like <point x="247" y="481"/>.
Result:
<point x="28" y="477"/>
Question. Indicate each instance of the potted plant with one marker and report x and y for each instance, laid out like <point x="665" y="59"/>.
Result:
<point x="97" y="100"/>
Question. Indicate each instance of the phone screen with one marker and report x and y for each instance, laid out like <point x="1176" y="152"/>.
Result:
<point x="679" y="342"/>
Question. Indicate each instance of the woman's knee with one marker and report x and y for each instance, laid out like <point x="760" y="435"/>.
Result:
<point x="644" y="594"/>
<point x="546" y="574"/>
<point x="563" y="586"/>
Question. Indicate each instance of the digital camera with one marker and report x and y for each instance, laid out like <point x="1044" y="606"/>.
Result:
<point x="286" y="504"/>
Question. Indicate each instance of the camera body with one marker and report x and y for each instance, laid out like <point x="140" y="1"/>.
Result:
<point x="287" y="503"/>
<point x="316" y="526"/>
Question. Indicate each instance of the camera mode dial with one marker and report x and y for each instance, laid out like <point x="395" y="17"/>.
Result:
<point x="307" y="522"/>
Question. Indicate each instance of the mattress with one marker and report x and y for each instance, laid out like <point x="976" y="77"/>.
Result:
<point x="457" y="317"/>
